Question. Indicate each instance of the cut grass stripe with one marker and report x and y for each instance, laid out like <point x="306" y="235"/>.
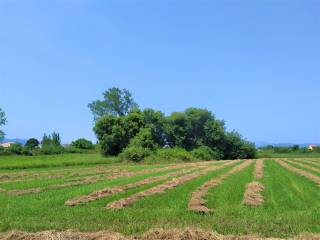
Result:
<point x="301" y="172"/>
<point x="304" y="166"/>
<point x="163" y="187"/>
<point x="253" y="194"/>
<point x="197" y="203"/>
<point x="308" y="163"/>
<point x="109" y="191"/>
<point x="95" y="179"/>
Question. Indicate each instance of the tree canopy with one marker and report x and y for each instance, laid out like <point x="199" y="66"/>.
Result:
<point x="32" y="143"/>
<point x="3" y="121"/>
<point x="193" y="129"/>
<point x="116" y="102"/>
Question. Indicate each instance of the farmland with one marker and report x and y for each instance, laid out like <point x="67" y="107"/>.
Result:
<point x="264" y="197"/>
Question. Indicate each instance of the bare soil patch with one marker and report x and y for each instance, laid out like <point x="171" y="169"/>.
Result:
<point x="252" y="195"/>
<point x="197" y="202"/>
<point x="163" y="187"/>
<point x="301" y="172"/>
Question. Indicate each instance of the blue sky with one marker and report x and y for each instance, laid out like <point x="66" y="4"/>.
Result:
<point x="255" y="64"/>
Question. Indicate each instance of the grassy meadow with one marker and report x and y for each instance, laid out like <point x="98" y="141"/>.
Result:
<point x="34" y="190"/>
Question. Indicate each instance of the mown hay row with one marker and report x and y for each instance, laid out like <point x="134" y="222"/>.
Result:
<point x="109" y="191"/>
<point x="305" y="166"/>
<point x="252" y="195"/>
<point x="165" y="186"/>
<point x="258" y="170"/>
<point x="197" y="202"/>
<point x="154" y="234"/>
<point x="93" y="179"/>
<point x="301" y="172"/>
<point x="21" y="177"/>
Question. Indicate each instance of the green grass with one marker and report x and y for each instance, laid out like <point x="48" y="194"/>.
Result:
<point x="291" y="205"/>
<point x="25" y="162"/>
<point x="268" y="154"/>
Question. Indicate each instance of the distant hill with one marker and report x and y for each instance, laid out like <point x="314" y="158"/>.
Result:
<point x="16" y="140"/>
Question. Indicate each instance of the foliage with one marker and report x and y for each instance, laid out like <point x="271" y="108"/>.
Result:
<point x="51" y="144"/>
<point x="72" y="149"/>
<point x="175" y="154"/>
<point x="156" y="121"/>
<point x="51" y="140"/>
<point x="3" y="121"/>
<point x="82" y="143"/>
<point x="32" y="143"/>
<point x="119" y="127"/>
<point x="135" y="153"/>
<point x="115" y="102"/>
<point x="189" y="130"/>
<point x="15" y="149"/>
<point x="115" y="132"/>
<point x="206" y="153"/>
<point x="236" y="147"/>
<point x="144" y="139"/>
<point x="49" y="149"/>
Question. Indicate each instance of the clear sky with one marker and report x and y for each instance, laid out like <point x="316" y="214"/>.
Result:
<point x="255" y="64"/>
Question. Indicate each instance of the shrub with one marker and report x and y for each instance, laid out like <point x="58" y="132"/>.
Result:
<point x="26" y="151"/>
<point x="3" y="151"/>
<point x="143" y="139"/>
<point x="170" y="155"/>
<point x="82" y="143"/>
<point x="51" y="149"/>
<point x="15" y="149"/>
<point x="72" y="149"/>
<point x="206" y="153"/>
<point x="135" y="154"/>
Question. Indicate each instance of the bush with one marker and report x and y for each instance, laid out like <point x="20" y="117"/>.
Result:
<point x="170" y="155"/>
<point x="206" y="153"/>
<point x="15" y="149"/>
<point x="27" y="152"/>
<point x="82" y="143"/>
<point x="72" y="149"/>
<point x="4" y="151"/>
<point x="143" y="139"/>
<point x="51" y="149"/>
<point x="135" y="154"/>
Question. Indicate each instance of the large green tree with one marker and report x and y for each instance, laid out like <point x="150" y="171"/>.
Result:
<point x="116" y="102"/>
<point x="32" y="143"/>
<point x="115" y="132"/>
<point x="3" y="121"/>
<point x="193" y="128"/>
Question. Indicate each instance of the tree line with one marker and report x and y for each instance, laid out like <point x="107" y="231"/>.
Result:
<point x="123" y="129"/>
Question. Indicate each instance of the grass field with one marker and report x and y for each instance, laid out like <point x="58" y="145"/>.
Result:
<point x="268" y="198"/>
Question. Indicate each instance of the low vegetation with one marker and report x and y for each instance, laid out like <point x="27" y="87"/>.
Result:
<point x="134" y="198"/>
